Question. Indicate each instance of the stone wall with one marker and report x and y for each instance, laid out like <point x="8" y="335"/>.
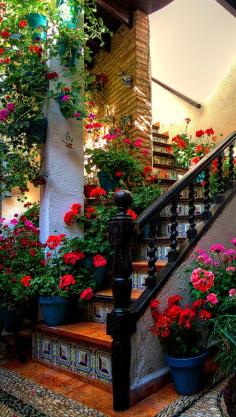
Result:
<point x="129" y="53"/>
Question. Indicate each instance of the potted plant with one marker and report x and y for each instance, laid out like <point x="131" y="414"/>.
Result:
<point x="117" y="162"/>
<point x="21" y="259"/>
<point x="181" y="329"/>
<point x="94" y="244"/>
<point x="64" y="279"/>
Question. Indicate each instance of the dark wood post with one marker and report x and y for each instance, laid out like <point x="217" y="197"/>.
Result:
<point x="231" y="166"/>
<point x="120" y="323"/>
<point x="192" y="232"/>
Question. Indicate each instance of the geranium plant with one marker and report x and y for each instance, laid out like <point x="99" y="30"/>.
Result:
<point x="180" y="327"/>
<point x="21" y="259"/>
<point x="213" y="275"/>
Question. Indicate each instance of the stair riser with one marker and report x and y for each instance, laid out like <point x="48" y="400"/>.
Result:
<point x="80" y="359"/>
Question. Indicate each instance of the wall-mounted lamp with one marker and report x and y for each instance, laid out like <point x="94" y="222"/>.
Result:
<point x="126" y="79"/>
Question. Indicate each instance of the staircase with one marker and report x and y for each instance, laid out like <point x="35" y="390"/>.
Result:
<point x="84" y="348"/>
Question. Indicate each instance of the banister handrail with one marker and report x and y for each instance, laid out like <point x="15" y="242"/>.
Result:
<point x="177" y="93"/>
<point x="147" y="215"/>
<point x="122" y="321"/>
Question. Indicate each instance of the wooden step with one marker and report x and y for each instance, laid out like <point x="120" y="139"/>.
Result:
<point x="87" y="332"/>
<point x="143" y="265"/>
<point x="165" y="154"/>
<point x="170" y="167"/>
<point x="161" y="144"/>
<point x="106" y="295"/>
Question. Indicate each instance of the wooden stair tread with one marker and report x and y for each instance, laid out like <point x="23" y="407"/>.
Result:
<point x="89" y="332"/>
<point x="172" y="167"/>
<point x="161" y="144"/>
<point x="107" y="293"/>
<point x="143" y="265"/>
<point x="165" y="154"/>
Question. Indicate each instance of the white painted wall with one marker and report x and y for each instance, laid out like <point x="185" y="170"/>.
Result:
<point x="192" y="50"/>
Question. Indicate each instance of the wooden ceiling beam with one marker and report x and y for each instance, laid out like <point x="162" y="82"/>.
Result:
<point x="121" y="14"/>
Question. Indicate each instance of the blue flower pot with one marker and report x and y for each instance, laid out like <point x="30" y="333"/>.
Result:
<point x="107" y="182"/>
<point x="55" y="310"/>
<point x="187" y="373"/>
<point x="36" y="20"/>
<point x="100" y="273"/>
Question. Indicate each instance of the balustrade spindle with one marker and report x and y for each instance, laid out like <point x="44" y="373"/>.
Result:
<point x="192" y="232"/>
<point x="173" y="253"/>
<point x="220" y="179"/>
<point x="207" y="204"/>
<point x="231" y="166"/>
<point x="120" y="323"/>
<point x="151" y="253"/>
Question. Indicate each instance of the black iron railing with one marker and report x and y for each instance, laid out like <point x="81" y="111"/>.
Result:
<point x="121" y="322"/>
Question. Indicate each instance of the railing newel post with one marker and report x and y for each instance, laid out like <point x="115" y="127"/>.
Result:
<point x="120" y="323"/>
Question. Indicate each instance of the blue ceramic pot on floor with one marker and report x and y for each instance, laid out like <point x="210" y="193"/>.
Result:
<point x="187" y="373"/>
<point x="55" y="310"/>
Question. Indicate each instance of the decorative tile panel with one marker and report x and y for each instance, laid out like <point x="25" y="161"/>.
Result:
<point x="78" y="358"/>
<point x="100" y="311"/>
<point x="138" y="279"/>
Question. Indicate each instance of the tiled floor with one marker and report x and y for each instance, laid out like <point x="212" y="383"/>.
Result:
<point x="89" y="394"/>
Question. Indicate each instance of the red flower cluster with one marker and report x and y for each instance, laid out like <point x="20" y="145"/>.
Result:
<point x="202" y="279"/>
<point x="5" y="60"/>
<point x="54" y="241"/>
<point x="199" y="133"/>
<point x="72" y="258"/>
<point x="132" y="214"/>
<point x="23" y="23"/>
<point x="93" y="126"/>
<point x="87" y="294"/>
<point x="5" y="33"/>
<point x="52" y="75"/>
<point x="70" y="216"/>
<point x="25" y="281"/>
<point x="175" y="318"/>
<point x="66" y="281"/>
<point x="98" y="192"/>
<point x="180" y="142"/>
<point x="35" y="49"/>
<point x="99" y="261"/>
<point x="90" y="212"/>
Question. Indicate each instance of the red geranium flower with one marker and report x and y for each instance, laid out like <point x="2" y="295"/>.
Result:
<point x="195" y="160"/>
<point x="199" y="133"/>
<point x="52" y="75"/>
<point x="35" y="49"/>
<point x="25" y="281"/>
<point x="99" y="261"/>
<point x="147" y="169"/>
<point x="66" y="280"/>
<point x="204" y="315"/>
<point x="209" y="131"/>
<point x="5" y="33"/>
<point x="199" y="148"/>
<point x="98" y="192"/>
<point x="32" y="252"/>
<point x="87" y="294"/>
<point x="202" y="279"/>
<point x="69" y="217"/>
<point x="132" y="214"/>
<point x="76" y="208"/>
<point x="154" y="303"/>
<point x="23" y="23"/>
<point x="2" y="51"/>
<point x="174" y="299"/>
<point x="54" y="241"/>
<point x="90" y="212"/>
<point x="119" y="174"/>
<point x="72" y="257"/>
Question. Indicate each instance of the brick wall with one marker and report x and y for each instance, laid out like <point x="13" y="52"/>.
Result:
<point x="130" y="53"/>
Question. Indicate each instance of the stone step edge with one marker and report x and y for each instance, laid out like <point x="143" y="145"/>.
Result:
<point x="76" y="337"/>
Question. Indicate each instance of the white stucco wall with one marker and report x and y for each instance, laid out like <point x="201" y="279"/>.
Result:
<point x="193" y="50"/>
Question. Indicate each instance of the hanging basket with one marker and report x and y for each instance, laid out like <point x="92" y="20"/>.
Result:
<point x="68" y="56"/>
<point x="107" y="182"/>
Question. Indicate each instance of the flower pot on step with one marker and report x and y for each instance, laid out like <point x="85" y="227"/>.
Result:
<point x="100" y="273"/>
<point x="55" y="310"/>
<point x="107" y="182"/>
<point x="187" y="373"/>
